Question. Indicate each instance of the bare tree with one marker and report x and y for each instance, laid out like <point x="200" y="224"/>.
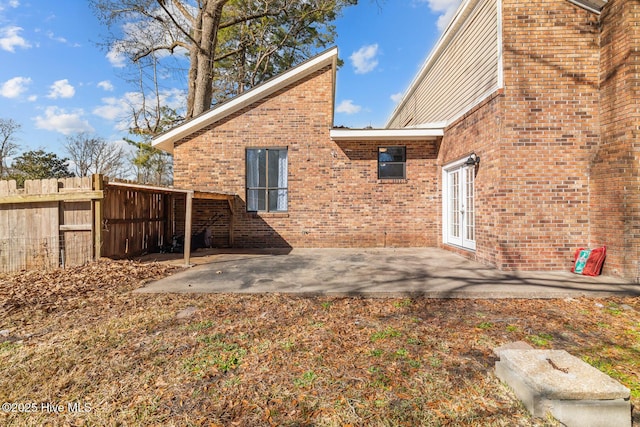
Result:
<point x="8" y="145"/>
<point x="90" y="154"/>
<point x="288" y="30"/>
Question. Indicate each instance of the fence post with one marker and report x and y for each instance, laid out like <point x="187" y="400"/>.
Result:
<point x="98" y="213"/>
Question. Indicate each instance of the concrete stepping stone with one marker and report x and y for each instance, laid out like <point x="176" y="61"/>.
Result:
<point x="557" y="383"/>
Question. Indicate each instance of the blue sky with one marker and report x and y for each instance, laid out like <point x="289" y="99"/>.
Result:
<point x="56" y="80"/>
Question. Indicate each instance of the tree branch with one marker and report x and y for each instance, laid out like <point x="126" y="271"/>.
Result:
<point x="171" y="48"/>
<point x="227" y="55"/>
<point x="185" y="13"/>
<point x="247" y="18"/>
<point x="187" y="34"/>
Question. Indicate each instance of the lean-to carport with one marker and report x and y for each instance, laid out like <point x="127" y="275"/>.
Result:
<point x="189" y="197"/>
<point x="53" y="223"/>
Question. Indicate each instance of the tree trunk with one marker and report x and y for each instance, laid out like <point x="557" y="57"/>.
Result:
<point x="202" y="54"/>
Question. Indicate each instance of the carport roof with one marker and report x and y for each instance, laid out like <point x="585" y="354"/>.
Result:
<point x="197" y="194"/>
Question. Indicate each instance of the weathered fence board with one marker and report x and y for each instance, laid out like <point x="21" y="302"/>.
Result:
<point x="76" y="228"/>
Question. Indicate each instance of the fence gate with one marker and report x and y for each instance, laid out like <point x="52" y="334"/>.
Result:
<point x="47" y="224"/>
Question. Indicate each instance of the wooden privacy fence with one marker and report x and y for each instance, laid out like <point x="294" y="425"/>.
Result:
<point x="65" y="222"/>
<point x="47" y="224"/>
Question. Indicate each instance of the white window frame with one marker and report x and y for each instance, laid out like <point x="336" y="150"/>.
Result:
<point x="457" y="167"/>
<point x="281" y="187"/>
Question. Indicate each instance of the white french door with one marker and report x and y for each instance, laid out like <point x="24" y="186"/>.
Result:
<point x="458" y="208"/>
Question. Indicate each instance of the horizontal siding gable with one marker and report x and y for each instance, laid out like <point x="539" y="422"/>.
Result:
<point x="465" y="72"/>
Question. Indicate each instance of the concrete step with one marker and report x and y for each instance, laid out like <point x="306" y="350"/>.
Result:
<point x="557" y="383"/>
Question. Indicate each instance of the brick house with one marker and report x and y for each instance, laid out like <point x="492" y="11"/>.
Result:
<point x="515" y="144"/>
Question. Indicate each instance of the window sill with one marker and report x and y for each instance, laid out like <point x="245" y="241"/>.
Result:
<point x="393" y="181"/>
<point x="270" y="214"/>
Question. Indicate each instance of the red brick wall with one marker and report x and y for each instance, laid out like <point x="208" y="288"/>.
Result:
<point x="615" y="182"/>
<point x="335" y="198"/>
<point x="560" y="153"/>
<point x="209" y="216"/>
<point x="535" y="139"/>
<point x="549" y="132"/>
<point x="479" y="131"/>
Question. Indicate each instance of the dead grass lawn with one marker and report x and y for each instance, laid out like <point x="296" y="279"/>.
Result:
<point x="78" y="338"/>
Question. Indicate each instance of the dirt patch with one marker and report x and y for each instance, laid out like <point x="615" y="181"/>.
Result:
<point x="78" y="340"/>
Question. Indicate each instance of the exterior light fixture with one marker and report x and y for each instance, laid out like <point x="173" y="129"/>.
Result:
<point x="473" y="160"/>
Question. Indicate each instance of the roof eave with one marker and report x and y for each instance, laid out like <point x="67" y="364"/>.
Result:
<point x="594" y="6"/>
<point x="406" y="134"/>
<point x="166" y="141"/>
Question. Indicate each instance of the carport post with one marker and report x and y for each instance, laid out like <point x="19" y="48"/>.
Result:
<point x="187" y="227"/>
<point x="231" y="201"/>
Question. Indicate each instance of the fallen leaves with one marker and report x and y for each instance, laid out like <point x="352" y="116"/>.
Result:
<point x="50" y="290"/>
<point x="220" y="360"/>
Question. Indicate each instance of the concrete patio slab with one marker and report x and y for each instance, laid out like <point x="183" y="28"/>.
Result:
<point x="384" y="272"/>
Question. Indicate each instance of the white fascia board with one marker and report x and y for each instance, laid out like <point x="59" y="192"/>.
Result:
<point x="594" y="6"/>
<point x="406" y="134"/>
<point x="435" y="53"/>
<point x="166" y="140"/>
<point x="500" y="46"/>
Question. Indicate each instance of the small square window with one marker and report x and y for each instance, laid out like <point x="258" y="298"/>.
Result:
<point x="392" y="162"/>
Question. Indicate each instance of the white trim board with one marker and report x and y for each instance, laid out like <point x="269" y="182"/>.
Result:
<point x="424" y="133"/>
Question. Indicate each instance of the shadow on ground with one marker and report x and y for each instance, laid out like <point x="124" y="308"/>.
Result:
<point x="428" y="272"/>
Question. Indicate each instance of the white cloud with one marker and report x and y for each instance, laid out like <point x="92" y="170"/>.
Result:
<point x="67" y="123"/>
<point x="10" y="39"/>
<point x="396" y="97"/>
<point x="116" y="58"/>
<point x="364" y="59"/>
<point x="348" y="107"/>
<point x="106" y="85"/>
<point x="112" y="108"/>
<point x="446" y="9"/>
<point x="176" y="99"/>
<point x="120" y="109"/>
<point x="14" y="87"/>
<point x="61" y="89"/>
<point x="10" y="3"/>
<point x="55" y="38"/>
